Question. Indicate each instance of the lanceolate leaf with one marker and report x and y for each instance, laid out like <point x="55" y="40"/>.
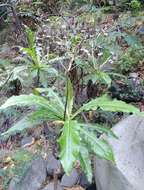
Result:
<point x="45" y="115"/>
<point x="21" y="125"/>
<point x="31" y="37"/>
<point x="107" y="104"/>
<point x="99" y="146"/>
<point x="51" y="94"/>
<point x="30" y="100"/>
<point x="32" y="53"/>
<point x="100" y="129"/>
<point x="85" y="162"/>
<point x="25" y="100"/>
<point x="100" y="76"/>
<point x="69" y="145"/>
<point x="32" y="120"/>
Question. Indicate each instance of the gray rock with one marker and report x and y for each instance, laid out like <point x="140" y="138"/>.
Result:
<point x="53" y="165"/>
<point x="51" y="185"/>
<point x="71" y="180"/>
<point x="128" y="173"/>
<point x="83" y="181"/>
<point x="27" y="141"/>
<point x="33" y="178"/>
<point x="13" y="184"/>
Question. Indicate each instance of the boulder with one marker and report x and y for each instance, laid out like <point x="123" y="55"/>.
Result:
<point x="33" y="178"/>
<point x="128" y="172"/>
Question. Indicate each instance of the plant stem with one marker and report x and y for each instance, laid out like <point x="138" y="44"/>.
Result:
<point x="38" y="77"/>
<point x="66" y="98"/>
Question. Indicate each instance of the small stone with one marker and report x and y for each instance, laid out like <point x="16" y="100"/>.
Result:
<point x="27" y="141"/>
<point x="53" y="165"/>
<point x="51" y="186"/>
<point x="71" y="180"/>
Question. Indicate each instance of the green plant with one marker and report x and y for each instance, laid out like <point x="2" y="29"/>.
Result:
<point x="97" y="67"/>
<point x="135" y="5"/>
<point x="77" y="139"/>
<point x="130" y="60"/>
<point x="37" y="63"/>
<point x="34" y="66"/>
<point x="126" y="63"/>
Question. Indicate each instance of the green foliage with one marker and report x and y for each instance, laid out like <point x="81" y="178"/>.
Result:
<point x="37" y="64"/>
<point x="99" y="146"/>
<point x="21" y="125"/>
<point x="69" y="144"/>
<point x="106" y="104"/>
<point x="126" y="63"/>
<point x="74" y="135"/>
<point x="94" y="67"/>
<point x="135" y="5"/>
<point x="33" y="67"/>
<point x="130" y="60"/>
<point x="46" y="110"/>
<point x="85" y="161"/>
<point x="102" y="77"/>
<point x="102" y="53"/>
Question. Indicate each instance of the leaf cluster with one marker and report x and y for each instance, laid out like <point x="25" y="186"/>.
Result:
<point x="77" y="140"/>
